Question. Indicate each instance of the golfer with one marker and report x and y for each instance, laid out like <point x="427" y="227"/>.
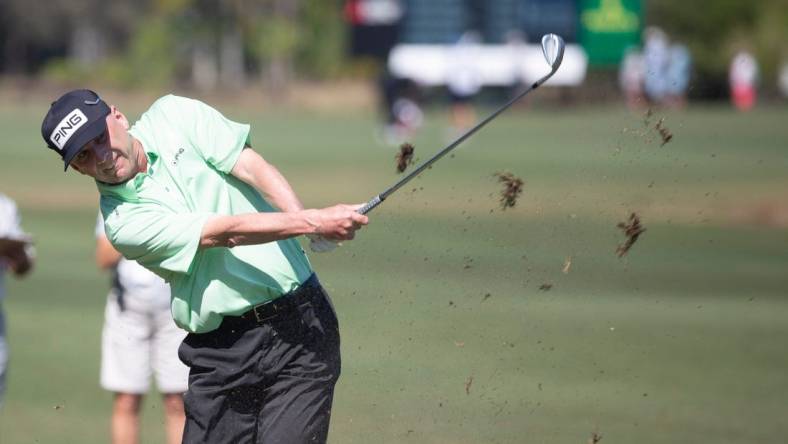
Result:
<point x="183" y="194"/>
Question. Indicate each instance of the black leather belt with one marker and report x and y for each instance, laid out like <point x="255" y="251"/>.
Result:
<point x="288" y="302"/>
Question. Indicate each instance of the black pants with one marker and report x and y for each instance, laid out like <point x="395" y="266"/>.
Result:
<point x="270" y="382"/>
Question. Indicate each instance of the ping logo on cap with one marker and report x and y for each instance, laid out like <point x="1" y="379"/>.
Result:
<point x="67" y="127"/>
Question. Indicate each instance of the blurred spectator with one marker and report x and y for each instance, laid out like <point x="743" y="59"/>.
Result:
<point x="665" y="70"/>
<point x="374" y="30"/>
<point x="16" y="254"/>
<point x="657" y="58"/>
<point x="401" y="108"/>
<point x="743" y="76"/>
<point x="464" y="82"/>
<point x="139" y="340"/>
<point x="678" y="75"/>
<point x="631" y="76"/>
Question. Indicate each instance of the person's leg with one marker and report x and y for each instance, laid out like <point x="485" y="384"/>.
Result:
<point x="304" y="365"/>
<point x="126" y="418"/>
<point x="170" y="373"/>
<point x="125" y="366"/>
<point x="273" y="383"/>
<point x="174" y="417"/>
<point x="224" y="397"/>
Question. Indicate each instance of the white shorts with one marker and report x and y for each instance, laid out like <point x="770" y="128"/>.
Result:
<point x="138" y="342"/>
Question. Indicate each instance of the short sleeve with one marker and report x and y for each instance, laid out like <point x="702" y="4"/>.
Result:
<point x="10" y="223"/>
<point x="99" y="230"/>
<point x="164" y="242"/>
<point x="218" y="139"/>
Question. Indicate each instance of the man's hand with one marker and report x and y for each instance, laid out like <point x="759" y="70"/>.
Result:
<point x="337" y="223"/>
<point x="17" y="259"/>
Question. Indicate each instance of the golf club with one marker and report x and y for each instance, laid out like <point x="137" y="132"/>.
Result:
<point x="553" y="50"/>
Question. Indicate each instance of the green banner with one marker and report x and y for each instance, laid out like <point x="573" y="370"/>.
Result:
<point x="608" y="28"/>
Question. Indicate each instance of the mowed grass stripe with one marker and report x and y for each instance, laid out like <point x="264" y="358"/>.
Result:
<point x="679" y="341"/>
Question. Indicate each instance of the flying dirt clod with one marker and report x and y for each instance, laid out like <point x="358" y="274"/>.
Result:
<point x="632" y="229"/>
<point x="468" y="383"/>
<point x="664" y="132"/>
<point x="595" y="438"/>
<point x="404" y="157"/>
<point x="659" y="127"/>
<point x="513" y="186"/>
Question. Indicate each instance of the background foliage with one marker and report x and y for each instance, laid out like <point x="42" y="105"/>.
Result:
<point x="161" y="43"/>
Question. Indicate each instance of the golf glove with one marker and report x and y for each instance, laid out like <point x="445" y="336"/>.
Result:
<point x="319" y="244"/>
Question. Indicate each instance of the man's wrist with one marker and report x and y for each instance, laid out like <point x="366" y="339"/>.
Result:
<point x="310" y="221"/>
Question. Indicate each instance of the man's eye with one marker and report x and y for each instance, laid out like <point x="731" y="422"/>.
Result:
<point x="82" y="155"/>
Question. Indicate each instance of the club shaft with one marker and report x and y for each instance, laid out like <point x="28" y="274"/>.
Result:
<point x="377" y="200"/>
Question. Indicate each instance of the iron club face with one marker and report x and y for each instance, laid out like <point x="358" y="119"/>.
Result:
<point x="553" y="50"/>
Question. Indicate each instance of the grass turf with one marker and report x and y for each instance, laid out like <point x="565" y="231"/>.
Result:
<point x="447" y="337"/>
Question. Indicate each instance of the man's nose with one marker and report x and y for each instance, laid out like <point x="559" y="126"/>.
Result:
<point x="103" y="154"/>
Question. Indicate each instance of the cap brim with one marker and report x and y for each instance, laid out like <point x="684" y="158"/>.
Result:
<point x="90" y="132"/>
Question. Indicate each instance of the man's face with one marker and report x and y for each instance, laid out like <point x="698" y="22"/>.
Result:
<point x="110" y="157"/>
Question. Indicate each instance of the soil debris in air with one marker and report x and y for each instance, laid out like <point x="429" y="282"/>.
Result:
<point x="632" y="229"/>
<point x="567" y="265"/>
<point x="595" y="438"/>
<point x="512" y="187"/>
<point x="663" y="131"/>
<point x="404" y="157"/>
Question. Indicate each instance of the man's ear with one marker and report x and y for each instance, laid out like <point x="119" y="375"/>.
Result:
<point x="119" y="116"/>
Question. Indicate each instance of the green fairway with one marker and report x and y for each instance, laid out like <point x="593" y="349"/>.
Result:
<point x="464" y="323"/>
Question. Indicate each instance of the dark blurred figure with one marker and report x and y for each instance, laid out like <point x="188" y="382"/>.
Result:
<point x="374" y="30"/>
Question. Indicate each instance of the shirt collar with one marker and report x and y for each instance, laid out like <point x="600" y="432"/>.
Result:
<point x="127" y="191"/>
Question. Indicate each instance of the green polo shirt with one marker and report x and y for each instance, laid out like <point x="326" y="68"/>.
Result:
<point x="157" y="217"/>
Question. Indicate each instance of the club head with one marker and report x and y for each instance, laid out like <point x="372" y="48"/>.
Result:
<point x="553" y="49"/>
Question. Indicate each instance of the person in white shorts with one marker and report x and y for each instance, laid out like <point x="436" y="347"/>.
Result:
<point x="139" y="340"/>
<point x="16" y="255"/>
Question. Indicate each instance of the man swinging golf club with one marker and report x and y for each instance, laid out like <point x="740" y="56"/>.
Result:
<point x="183" y="194"/>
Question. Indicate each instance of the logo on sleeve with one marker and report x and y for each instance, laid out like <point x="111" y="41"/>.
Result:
<point x="67" y="127"/>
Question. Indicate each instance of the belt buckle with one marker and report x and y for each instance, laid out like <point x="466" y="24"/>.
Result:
<point x="257" y="309"/>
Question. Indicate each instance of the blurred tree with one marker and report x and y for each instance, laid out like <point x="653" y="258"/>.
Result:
<point x="771" y="40"/>
<point x="232" y="68"/>
<point x="275" y="33"/>
<point x="26" y="28"/>
<point x="216" y="43"/>
<point x="321" y="51"/>
<point x="74" y="37"/>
